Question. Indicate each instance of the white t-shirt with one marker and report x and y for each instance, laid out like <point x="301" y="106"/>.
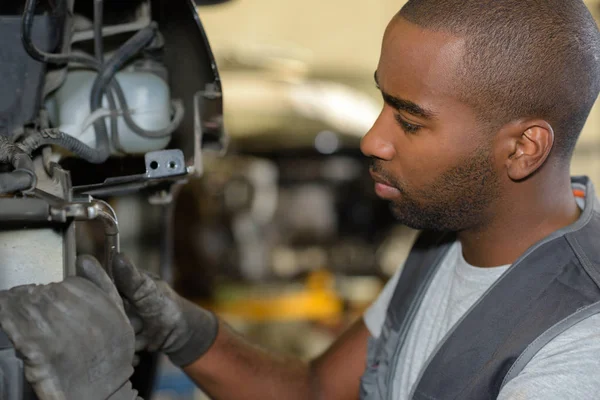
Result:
<point x="568" y="367"/>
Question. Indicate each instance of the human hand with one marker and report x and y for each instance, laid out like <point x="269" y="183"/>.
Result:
<point x="73" y="336"/>
<point x="163" y="320"/>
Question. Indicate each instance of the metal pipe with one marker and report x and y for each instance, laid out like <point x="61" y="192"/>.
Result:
<point x="89" y="211"/>
<point x="106" y="214"/>
<point x="24" y="210"/>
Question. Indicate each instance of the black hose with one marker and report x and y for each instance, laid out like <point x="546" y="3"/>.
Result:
<point x="57" y="138"/>
<point x="101" y="136"/>
<point x="15" y="181"/>
<point x="105" y="76"/>
<point x="133" y="46"/>
<point x="26" y="28"/>
<point x="99" y="53"/>
<point x="23" y="177"/>
<point x="23" y="209"/>
<point x="98" y="42"/>
<point x="131" y="124"/>
<point x="23" y="164"/>
<point x="114" y="127"/>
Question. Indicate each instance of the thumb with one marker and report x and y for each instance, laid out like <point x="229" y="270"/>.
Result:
<point x="128" y="279"/>
<point x="89" y="268"/>
<point x="134" y="319"/>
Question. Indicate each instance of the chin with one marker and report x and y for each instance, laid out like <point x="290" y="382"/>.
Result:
<point x="419" y="219"/>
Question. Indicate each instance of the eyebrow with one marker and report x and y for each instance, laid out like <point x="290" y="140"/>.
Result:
<point x="404" y="105"/>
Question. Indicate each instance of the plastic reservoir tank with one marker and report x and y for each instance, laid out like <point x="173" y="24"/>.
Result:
<point x="148" y="98"/>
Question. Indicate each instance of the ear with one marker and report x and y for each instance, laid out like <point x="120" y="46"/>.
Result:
<point x="529" y="147"/>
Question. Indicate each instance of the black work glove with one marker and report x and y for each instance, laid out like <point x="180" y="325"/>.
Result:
<point x="163" y="320"/>
<point x="74" y="337"/>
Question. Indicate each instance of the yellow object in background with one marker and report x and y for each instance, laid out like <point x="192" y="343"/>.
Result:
<point x="315" y="300"/>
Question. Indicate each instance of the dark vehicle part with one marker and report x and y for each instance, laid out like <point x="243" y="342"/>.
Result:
<point x="46" y="176"/>
<point x="23" y="76"/>
<point x="38" y="54"/>
<point x="47" y="137"/>
<point x="200" y="127"/>
<point x="201" y="90"/>
<point x="106" y="73"/>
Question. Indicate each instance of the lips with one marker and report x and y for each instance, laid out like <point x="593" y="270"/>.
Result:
<point x="384" y="189"/>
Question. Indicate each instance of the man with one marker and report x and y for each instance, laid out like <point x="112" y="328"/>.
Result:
<point x="484" y="101"/>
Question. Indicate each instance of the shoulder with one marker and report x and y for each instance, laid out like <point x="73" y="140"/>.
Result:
<point x="567" y="367"/>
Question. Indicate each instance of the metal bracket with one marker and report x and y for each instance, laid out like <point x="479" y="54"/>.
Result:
<point x="164" y="163"/>
<point x="162" y="167"/>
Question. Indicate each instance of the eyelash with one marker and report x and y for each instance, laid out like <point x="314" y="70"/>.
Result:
<point x="406" y="126"/>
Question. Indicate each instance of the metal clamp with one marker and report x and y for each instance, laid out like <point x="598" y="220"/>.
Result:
<point x="88" y="209"/>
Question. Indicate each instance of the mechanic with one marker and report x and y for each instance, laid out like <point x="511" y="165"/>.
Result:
<point x="500" y="295"/>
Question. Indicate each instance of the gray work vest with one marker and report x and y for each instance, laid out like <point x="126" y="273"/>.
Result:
<point x="551" y="287"/>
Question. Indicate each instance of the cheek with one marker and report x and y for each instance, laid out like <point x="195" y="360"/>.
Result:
<point x="428" y="155"/>
<point x="424" y="157"/>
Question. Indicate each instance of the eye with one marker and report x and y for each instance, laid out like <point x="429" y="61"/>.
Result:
<point x="407" y="127"/>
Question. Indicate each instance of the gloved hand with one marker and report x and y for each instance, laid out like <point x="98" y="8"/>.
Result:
<point x="74" y="337"/>
<point x="169" y="323"/>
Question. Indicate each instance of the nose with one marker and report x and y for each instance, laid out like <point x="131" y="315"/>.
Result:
<point x="375" y="143"/>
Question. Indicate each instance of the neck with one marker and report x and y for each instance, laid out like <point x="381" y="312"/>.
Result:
<point x="537" y="207"/>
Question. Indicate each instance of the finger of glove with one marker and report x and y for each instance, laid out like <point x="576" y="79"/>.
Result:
<point x="135" y="286"/>
<point x="47" y="389"/>
<point x="128" y="279"/>
<point x="137" y="323"/>
<point x="89" y="268"/>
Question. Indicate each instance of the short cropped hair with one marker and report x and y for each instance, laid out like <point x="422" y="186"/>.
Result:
<point x="524" y="58"/>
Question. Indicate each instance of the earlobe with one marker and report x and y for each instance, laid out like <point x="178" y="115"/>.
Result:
<point x="530" y="150"/>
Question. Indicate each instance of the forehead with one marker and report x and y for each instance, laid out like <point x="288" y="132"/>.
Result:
<point x="419" y="64"/>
